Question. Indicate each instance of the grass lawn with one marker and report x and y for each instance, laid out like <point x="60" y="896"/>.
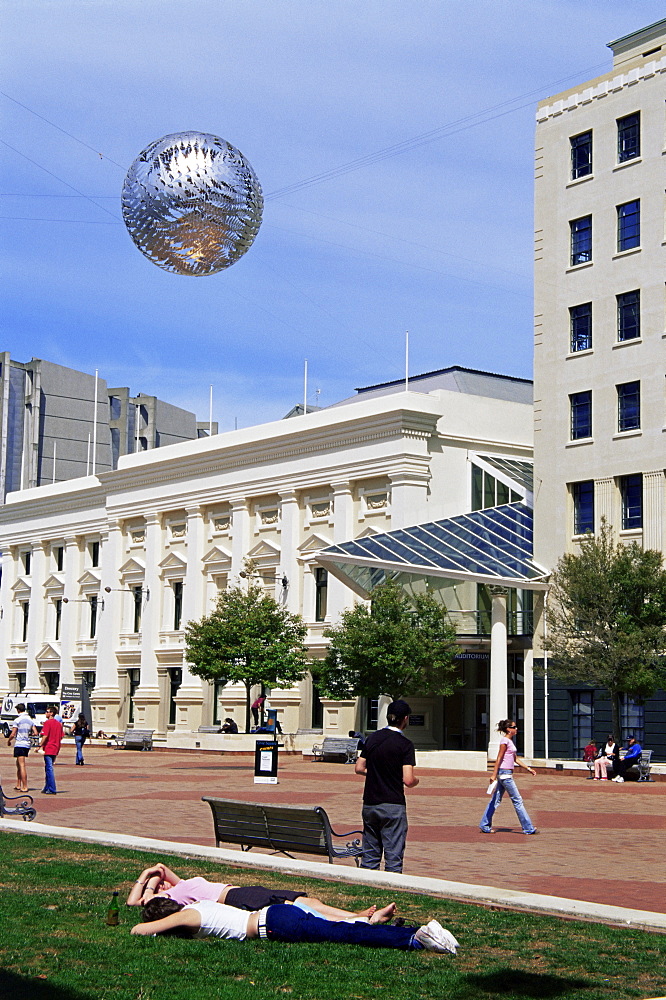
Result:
<point x="54" y="943"/>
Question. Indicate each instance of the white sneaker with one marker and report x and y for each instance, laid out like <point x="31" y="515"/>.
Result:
<point x="619" y="778"/>
<point x="434" y="937"/>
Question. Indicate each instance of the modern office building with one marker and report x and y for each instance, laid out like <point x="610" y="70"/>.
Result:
<point x="599" y="362"/>
<point x="57" y="423"/>
<point x="101" y="573"/>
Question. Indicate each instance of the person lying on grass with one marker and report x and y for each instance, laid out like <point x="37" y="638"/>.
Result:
<point x="282" y="922"/>
<point x="160" y="882"/>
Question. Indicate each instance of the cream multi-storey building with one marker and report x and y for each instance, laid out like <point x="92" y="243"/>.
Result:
<point x="101" y="573"/>
<point x="600" y="366"/>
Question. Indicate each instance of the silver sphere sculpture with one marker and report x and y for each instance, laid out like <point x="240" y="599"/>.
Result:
<point x="192" y="203"/>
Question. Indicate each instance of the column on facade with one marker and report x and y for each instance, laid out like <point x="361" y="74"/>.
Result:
<point x="106" y="697"/>
<point x="528" y="703"/>
<point x="150" y="712"/>
<point x="8" y="611"/>
<point x="72" y="611"/>
<point x="36" y="616"/>
<point x="604" y="502"/>
<point x="240" y="536"/>
<point x="653" y="510"/>
<point x="289" y="539"/>
<point x="409" y="492"/>
<point x="499" y="693"/>
<point x="190" y="697"/>
<point x="343" y="531"/>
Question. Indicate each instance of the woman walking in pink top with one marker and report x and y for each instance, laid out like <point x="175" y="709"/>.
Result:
<point x="503" y="772"/>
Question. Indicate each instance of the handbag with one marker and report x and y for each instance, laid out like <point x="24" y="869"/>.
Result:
<point x="491" y="787"/>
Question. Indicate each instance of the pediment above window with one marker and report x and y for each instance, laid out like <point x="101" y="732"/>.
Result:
<point x="48" y="654"/>
<point x="55" y="584"/>
<point x="264" y="550"/>
<point x="217" y="559"/>
<point x="313" y="543"/>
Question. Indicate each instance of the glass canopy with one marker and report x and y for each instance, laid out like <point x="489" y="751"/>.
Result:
<point x="492" y="546"/>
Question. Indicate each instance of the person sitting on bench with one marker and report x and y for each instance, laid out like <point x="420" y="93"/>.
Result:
<point x="281" y="922"/>
<point x="632" y="756"/>
<point x="159" y="882"/>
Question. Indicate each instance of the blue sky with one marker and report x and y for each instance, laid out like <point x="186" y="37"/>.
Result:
<point x="436" y="240"/>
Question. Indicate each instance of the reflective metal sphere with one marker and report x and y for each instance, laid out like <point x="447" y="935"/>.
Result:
<point x="192" y="203"/>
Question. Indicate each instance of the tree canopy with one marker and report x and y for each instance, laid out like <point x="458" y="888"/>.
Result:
<point x="398" y="646"/>
<point x="249" y="638"/>
<point x="606" y="619"/>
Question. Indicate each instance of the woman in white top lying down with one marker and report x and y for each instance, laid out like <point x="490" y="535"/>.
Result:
<point x="282" y="922"/>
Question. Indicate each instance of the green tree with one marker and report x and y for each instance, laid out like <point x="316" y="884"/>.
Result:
<point x="398" y="646"/>
<point x="250" y="639"/>
<point x="606" y="618"/>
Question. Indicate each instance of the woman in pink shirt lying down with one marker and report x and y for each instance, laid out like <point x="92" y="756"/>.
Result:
<point x="161" y="881"/>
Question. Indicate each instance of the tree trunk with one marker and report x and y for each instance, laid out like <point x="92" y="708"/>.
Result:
<point x="248" y="688"/>
<point x="615" y="715"/>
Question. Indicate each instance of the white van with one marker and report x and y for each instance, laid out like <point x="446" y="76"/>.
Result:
<point x="35" y="705"/>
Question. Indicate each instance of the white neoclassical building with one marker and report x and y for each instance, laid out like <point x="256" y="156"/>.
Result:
<point x="100" y="574"/>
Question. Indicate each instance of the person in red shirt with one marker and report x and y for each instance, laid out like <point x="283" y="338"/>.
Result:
<point x="49" y="745"/>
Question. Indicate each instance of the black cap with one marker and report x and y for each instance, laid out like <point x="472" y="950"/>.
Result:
<point x="399" y="709"/>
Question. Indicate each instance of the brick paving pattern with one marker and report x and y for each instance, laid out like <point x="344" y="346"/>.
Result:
<point x="599" y="841"/>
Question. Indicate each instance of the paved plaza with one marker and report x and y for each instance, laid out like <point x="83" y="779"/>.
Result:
<point x="599" y="841"/>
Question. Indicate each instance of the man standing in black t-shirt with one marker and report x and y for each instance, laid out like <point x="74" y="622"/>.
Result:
<point x="387" y="760"/>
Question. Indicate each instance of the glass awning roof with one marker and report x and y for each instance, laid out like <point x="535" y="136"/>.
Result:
<point x="519" y="471"/>
<point x="492" y="546"/>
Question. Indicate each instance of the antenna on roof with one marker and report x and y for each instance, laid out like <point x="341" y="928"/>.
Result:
<point x="210" y="413"/>
<point x="305" y="388"/>
<point x="406" y="360"/>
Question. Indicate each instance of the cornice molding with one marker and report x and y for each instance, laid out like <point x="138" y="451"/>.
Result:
<point x="608" y="85"/>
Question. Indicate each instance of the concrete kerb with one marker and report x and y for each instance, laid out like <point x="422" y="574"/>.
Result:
<point x="460" y="891"/>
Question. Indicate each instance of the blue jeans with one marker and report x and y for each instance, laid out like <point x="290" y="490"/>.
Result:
<point x="384" y="832"/>
<point x="49" y="775"/>
<point x="505" y="783"/>
<point x="79" y="749"/>
<point x="290" y="923"/>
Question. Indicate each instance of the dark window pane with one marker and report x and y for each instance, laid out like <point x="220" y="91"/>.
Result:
<point x="583" y="504"/>
<point x="581" y="415"/>
<point x="629" y="315"/>
<point x="581" y="240"/>
<point x="629" y="137"/>
<point x="631" y="488"/>
<point x="629" y="225"/>
<point x="477" y="488"/>
<point x="502" y="493"/>
<point x="629" y="406"/>
<point x="581" y="155"/>
<point x="321" y="594"/>
<point x="582" y="711"/>
<point x="489" y="490"/>
<point x="581" y="327"/>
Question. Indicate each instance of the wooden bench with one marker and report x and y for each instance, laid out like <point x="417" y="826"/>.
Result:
<point x="23" y="807"/>
<point x="337" y="746"/>
<point x="280" y="829"/>
<point x="213" y="730"/>
<point x="136" y="739"/>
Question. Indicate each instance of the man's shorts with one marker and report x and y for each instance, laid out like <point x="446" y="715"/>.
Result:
<point x="21" y="751"/>
<point x="256" y="897"/>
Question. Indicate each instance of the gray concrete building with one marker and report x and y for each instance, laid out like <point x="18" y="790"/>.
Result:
<point x="58" y="424"/>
